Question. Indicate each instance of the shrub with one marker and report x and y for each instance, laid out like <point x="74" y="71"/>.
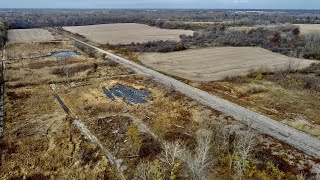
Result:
<point x="133" y="135"/>
<point x="313" y="68"/>
<point x="312" y="46"/>
<point x="259" y="77"/>
<point x="256" y="90"/>
<point x="149" y="147"/>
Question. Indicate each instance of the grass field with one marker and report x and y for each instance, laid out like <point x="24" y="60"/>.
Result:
<point x="126" y="33"/>
<point x="210" y="64"/>
<point x="309" y="28"/>
<point x="29" y="35"/>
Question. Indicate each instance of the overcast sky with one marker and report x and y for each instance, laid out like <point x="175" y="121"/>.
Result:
<point x="157" y="4"/>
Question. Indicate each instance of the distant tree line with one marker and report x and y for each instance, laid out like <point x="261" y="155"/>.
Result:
<point x="151" y="46"/>
<point x="284" y="39"/>
<point x="3" y="34"/>
<point x="34" y="18"/>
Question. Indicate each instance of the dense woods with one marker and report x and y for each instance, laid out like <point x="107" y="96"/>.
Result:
<point x="284" y="39"/>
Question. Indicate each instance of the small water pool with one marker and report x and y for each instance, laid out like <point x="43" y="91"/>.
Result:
<point x="129" y="94"/>
<point x="64" y="54"/>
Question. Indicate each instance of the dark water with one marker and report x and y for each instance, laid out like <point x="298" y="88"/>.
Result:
<point x="129" y="94"/>
<point x="108" y="94"/>
<point x="64" y="54"/>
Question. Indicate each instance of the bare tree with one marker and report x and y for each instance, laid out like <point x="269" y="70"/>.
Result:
<point x="172" y="151"/>
<point x="313" y="43"/>
<point x="21" y="59"/>
<point x="243" y="150"/>
<point x="145" y="171"/>
<point x="196" y="161"/>
<point x="150" y="170"/>
<point x="200" y="159"/>
<point x="65" y="68"/>
<point x="67" y="72"/>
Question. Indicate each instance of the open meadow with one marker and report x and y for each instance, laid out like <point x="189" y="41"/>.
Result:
<point x="29" y="35"/>
<point x="309" y="28"/>
<point x="126" y="33"/>
<point x="210" y="64"/>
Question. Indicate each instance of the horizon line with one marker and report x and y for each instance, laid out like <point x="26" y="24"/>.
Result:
<point x="162" y="8"/>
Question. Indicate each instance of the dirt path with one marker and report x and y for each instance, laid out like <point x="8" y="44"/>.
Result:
<point x="300" y="140"/>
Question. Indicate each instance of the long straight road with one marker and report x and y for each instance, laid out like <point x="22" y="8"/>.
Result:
<point x="300" y="140"/>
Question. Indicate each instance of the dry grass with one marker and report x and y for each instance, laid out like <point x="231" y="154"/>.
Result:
<point x="126" y="33"/>
<point x="40" y="141"/>
<point x="27" y="51"/>
<point x="56" y="150"/>
<point x="309" y="28"/>
<point x="296" y="107"/>
<point x="210" y="64"/>
<point x="39" y="71"/>
<point x="29" y="35"/>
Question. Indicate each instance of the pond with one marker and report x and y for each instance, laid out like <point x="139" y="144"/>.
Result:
<point x="129" y="94"/>
<point x="63" y="54"/>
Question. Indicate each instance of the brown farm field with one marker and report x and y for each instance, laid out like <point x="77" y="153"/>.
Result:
<point x="210" y="64"/>
<point x="126" y="33"/>
<point x="29" y="35"/>
<point x="309" y="28"/>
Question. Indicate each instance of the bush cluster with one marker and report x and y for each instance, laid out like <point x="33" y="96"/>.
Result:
<point x="151" y="46"/>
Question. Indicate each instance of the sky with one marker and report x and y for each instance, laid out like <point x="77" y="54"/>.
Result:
<point x="158" y="4"/>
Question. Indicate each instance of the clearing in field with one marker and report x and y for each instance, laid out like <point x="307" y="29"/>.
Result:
<point x="126" y="33"/>
<point x="309" y="28"/>
<point x="29" y="35"/>
<point x="210" y="64"/>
